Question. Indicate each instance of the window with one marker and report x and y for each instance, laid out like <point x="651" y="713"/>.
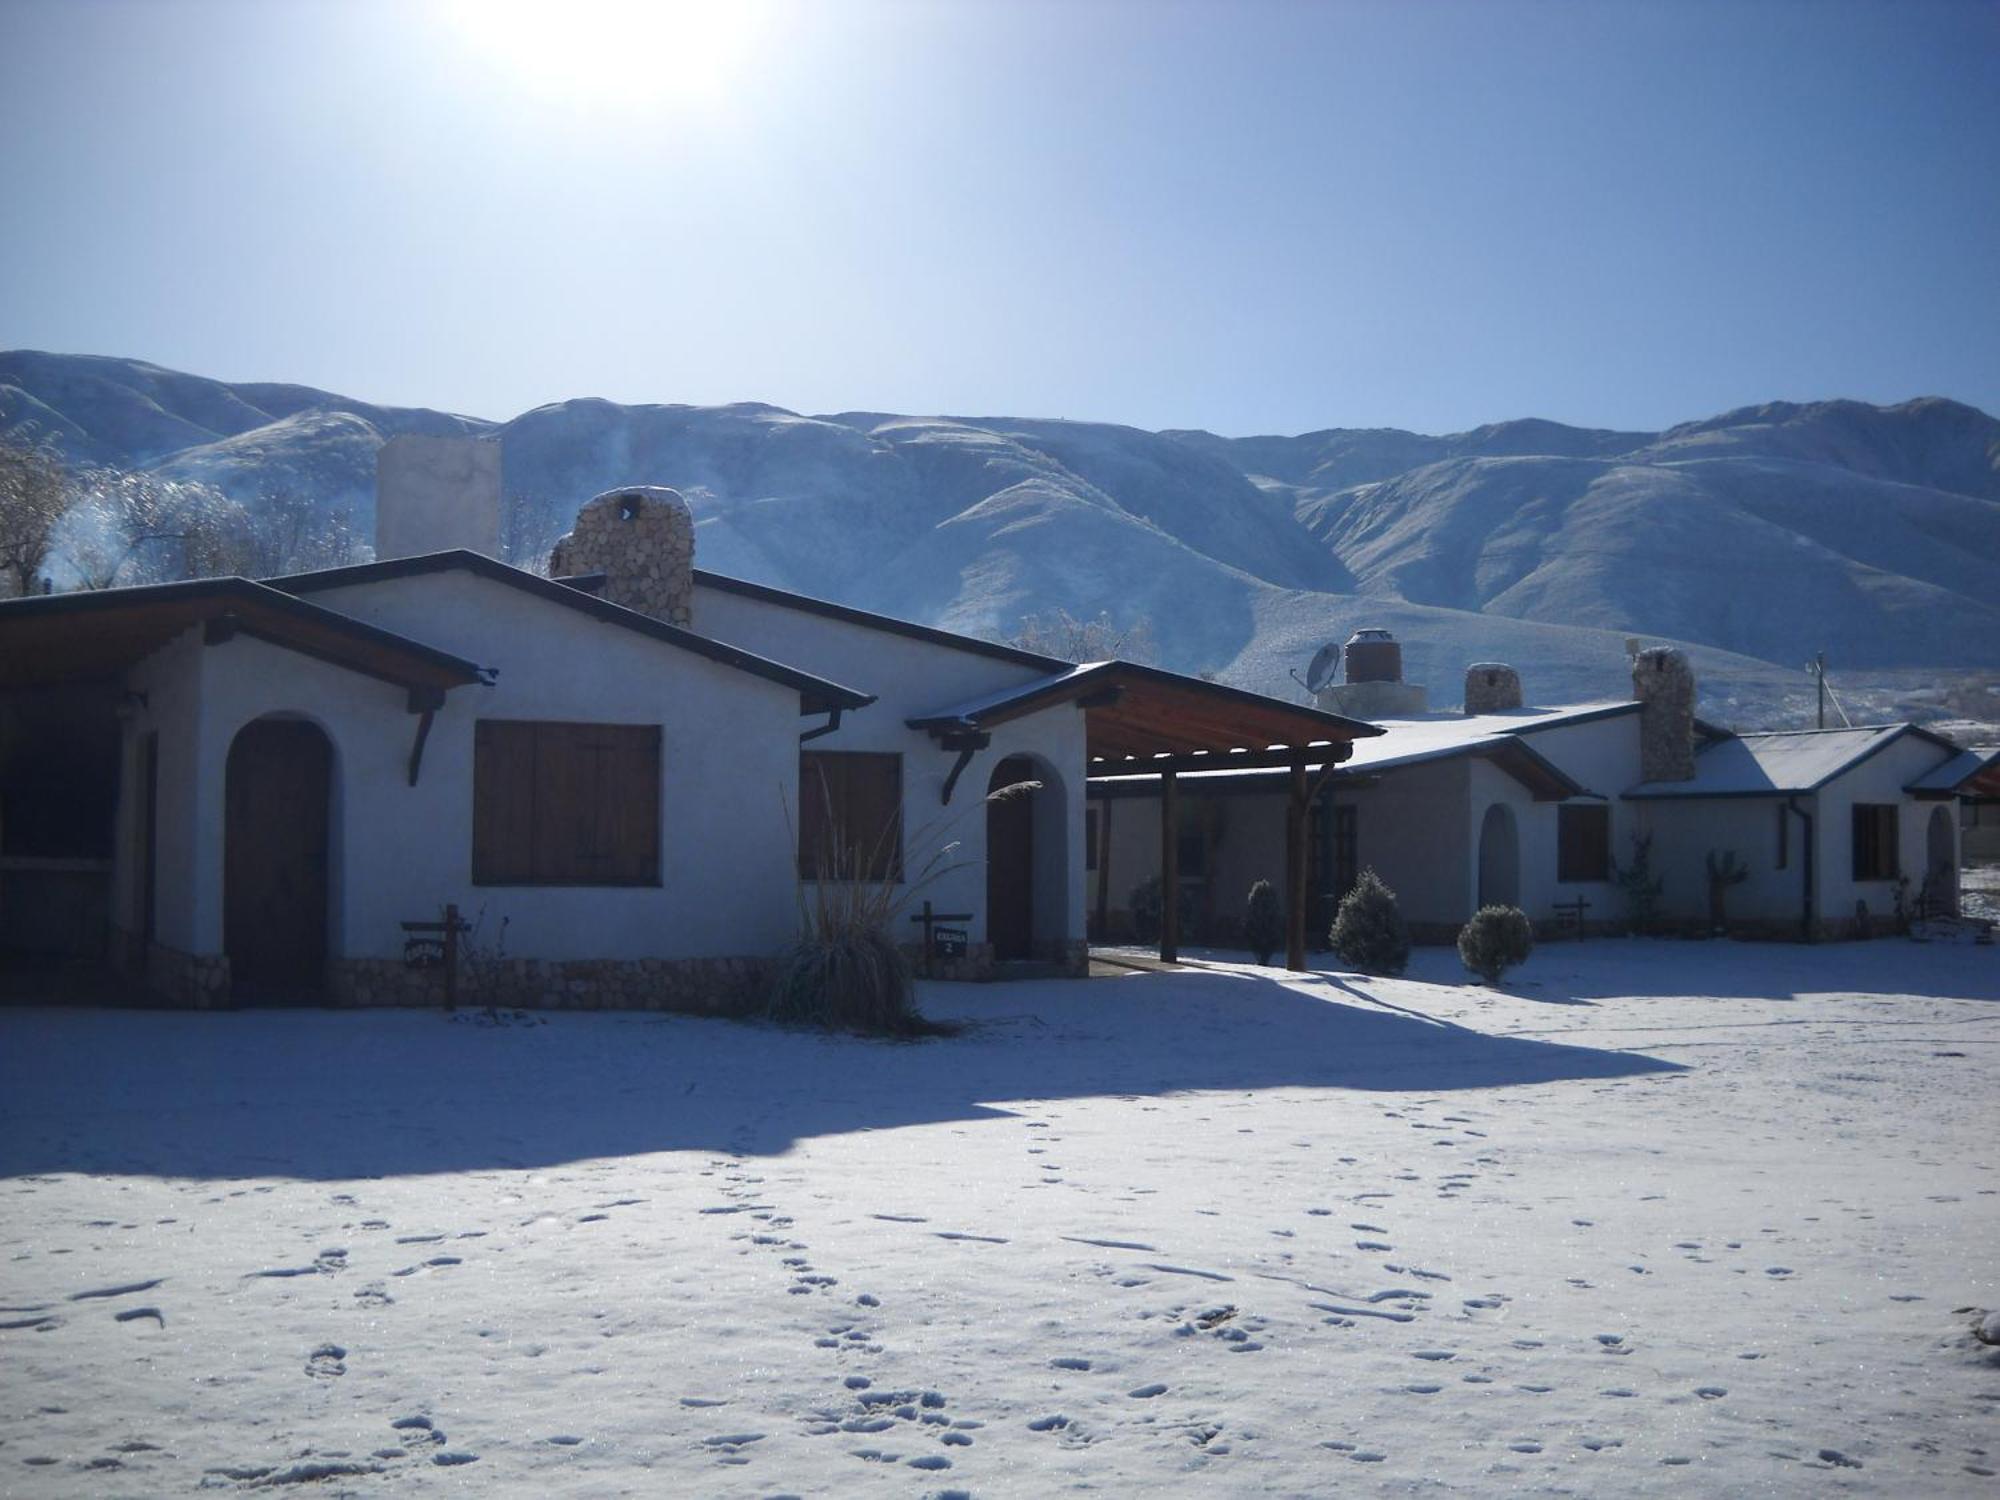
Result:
<point x="1875" y="841"/>
<point x="565" y="804"/>
<point x="850" y="815"/>
<point x="1583" y="843"/>
<point x="1784" y="835"/>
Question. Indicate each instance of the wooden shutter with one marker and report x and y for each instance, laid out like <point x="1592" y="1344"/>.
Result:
<point x="1583" y="844"/>
<point x="566" y="804"/>
<point x="628" y="802"/>
<point x="850" y="815"/>
<point x="503" y="802"/>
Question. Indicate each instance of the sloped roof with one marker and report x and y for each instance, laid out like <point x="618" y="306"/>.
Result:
<point x="1136" y="713"/>
<point x="1781" y="763"/>
<point x="888" y="624"/>
<point x="816" y="694"/>
<point x="1970" y="773"/>
<point x="1499" y="737"/>
<point x="50" y="638"/>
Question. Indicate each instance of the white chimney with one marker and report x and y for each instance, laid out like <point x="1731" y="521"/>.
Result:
<point x="433" y="494"/>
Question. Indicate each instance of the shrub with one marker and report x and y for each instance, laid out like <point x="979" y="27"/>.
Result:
<point x="1263" y="922"/>
<point x="1369" y="931"/>
<point x="1495" y="940"/>
<point x="846" y="969"/>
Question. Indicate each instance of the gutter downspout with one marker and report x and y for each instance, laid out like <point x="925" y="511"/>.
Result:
<point x="1807" y="913"/>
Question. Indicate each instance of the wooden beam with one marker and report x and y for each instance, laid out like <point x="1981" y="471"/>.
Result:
<point x="1280" y="758"/>
<point x="1295" y="869"/>
<point x="1170" y="870"/>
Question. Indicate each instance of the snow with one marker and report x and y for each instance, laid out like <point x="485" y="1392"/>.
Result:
<point x="1654" y="1219"/>
<point x="1799" y="760"/>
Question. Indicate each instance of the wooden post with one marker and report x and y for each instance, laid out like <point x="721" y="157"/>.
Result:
<point x="451" y="930"/>
<point x="1170" y="869"/>
<point x="1295" y="870"/>
<point x="1104" y="870"/>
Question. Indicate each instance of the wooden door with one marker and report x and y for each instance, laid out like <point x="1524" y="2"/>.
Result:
<point x="1010" y="863"/>
<point x="275" y="860"/>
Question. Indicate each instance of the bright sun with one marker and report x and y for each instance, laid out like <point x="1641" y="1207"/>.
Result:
<point x="635" y="53"/>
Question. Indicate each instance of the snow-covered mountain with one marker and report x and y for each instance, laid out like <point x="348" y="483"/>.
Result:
<point x="1756" y="537"/>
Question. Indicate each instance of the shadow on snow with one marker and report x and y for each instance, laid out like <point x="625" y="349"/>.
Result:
<point x="348" y="1094"/>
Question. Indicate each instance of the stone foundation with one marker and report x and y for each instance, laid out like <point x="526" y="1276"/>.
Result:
<point x="197" y="979"/>
<point x="1071" y="955"/>
<point x="697" y="986"/>
<point x="976" y="967"/>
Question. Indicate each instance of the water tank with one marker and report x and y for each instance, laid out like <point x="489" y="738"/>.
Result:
<point x="1374" y="656"/>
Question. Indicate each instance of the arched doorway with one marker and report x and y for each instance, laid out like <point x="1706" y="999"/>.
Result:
<point x="276" y="802"/>
<point x="1010" y="862"/>
<point x="1941" y="862"/>
<point x="1499" y="858"/>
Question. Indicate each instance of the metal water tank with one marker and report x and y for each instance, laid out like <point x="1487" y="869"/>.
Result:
<point x="1374" y="656"/>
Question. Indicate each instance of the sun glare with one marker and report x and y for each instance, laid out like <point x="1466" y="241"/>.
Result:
<point x="631" y="53"/>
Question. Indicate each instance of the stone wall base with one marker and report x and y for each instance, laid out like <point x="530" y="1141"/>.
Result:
<point x="976" y="967"/>
<point x="1071" y="955"/>
<point x="697" y="986"/>
<point x="200" y="980"/>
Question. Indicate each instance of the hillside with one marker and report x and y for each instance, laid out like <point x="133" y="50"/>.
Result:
<point x="1755" y="537"/>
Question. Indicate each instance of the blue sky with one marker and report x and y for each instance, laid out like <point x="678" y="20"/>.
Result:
<point x="1250" y="217"/>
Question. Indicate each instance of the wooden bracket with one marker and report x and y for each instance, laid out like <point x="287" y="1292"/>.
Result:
<point x="967" y="744"/>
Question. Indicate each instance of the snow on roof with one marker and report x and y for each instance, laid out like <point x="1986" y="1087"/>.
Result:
<point x="1424" y="737"/>
<point x="1776" y="764"/>
<point x="1953" y="774"/>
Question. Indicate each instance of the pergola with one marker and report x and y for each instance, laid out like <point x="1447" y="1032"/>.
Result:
<point x="1142" y="721"/>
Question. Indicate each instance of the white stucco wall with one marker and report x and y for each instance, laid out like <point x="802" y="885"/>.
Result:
<point x="910" y="678"/>
<point x="729" y="758"/>
<point x="1687" y="829"/>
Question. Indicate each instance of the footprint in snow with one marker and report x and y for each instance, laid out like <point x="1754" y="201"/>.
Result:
<point x="326" y="1362"/>
<point x="1147" y="1392"/>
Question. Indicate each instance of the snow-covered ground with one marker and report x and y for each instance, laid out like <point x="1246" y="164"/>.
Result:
<point x="1659" y="1219"/>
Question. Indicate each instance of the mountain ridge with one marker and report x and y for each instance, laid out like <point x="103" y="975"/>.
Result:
<point x="1755" y="536"/>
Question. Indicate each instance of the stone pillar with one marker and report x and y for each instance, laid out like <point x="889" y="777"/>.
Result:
<point x="1663" y="682"/>
<point x="1490" y="687"/>
<point x="641" y="538"/>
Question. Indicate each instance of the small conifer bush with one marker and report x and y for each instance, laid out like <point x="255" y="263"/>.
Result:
<point x="1369" y="932"/>
<point x="1263" y="922"/>
<point x="1495" y="940"/>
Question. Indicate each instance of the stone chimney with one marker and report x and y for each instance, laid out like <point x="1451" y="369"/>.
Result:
<point x="641" y="538"/>
<point x="1491" y="686"/>
<point x="433" y="494"/>
<point x="1663" y="682"/>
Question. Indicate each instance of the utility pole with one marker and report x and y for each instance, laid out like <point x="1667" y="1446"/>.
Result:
<point x="1819" y="674"/>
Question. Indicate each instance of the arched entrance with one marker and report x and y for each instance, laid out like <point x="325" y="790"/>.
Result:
<point x="1010" y="862"/>
<point x="1941" y="862"/>
<point x="276" y="802"/>
<point x="1499" y="858"/>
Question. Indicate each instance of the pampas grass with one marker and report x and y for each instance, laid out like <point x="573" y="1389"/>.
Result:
<point x="846" y="971"/>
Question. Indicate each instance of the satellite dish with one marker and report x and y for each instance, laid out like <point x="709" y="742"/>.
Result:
<point x="1320" y="673"/>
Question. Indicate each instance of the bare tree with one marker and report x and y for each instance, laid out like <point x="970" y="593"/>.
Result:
<point x="527" y="533"/>
<point x="34" y="494"/>
<point x="127" y="527"/>
<point x="1056" y="632"/>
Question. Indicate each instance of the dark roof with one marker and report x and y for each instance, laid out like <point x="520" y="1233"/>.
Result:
<point x="1139" y="712"/>
<point x="816" y="694"/>
<point x="827" y="609"/>
<point x="94" y="634"/>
